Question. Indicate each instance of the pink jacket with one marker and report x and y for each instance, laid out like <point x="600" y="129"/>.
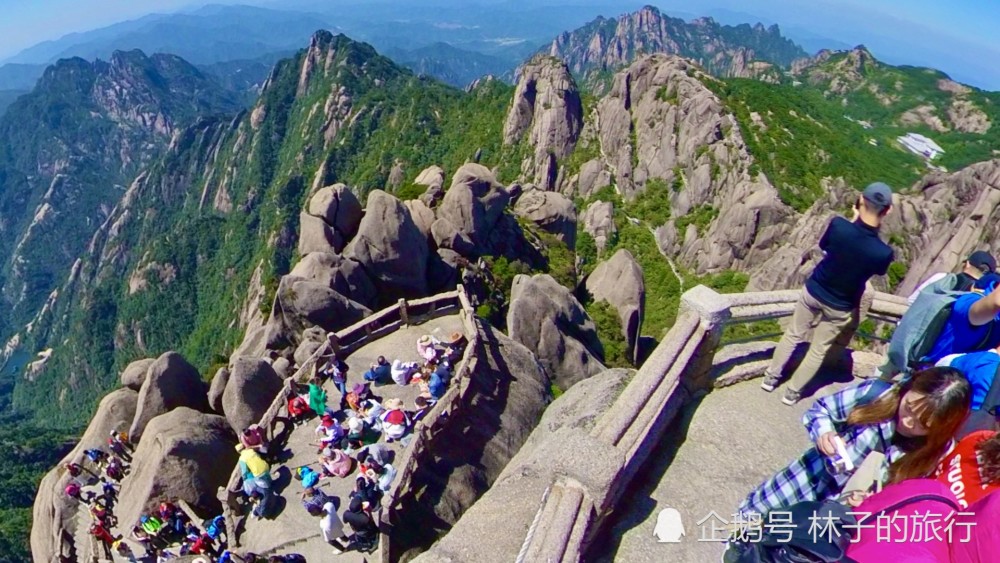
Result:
<point x="907" y="534"/>
<point x="981" y="520"/>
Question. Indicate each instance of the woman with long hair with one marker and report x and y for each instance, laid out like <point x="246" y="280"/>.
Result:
<point x="912" y="423"/>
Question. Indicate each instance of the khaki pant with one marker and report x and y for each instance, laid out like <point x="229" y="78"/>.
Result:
<point x="832" y="330"/>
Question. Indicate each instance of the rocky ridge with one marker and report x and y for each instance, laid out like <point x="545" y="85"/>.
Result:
<point x="606" y="45"/>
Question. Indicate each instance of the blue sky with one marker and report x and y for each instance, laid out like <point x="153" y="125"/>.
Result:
<point x="957" y="36"/>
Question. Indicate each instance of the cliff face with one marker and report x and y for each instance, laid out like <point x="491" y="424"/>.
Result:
<point x="68" y="150"/>
<point x="732" y="51"/>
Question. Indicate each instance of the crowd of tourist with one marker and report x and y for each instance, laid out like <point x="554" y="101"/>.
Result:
<point x="921" y="429"/>
<point x="351" y="439"/>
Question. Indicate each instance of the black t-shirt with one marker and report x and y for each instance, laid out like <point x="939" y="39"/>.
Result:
<point x="854" y="253"/>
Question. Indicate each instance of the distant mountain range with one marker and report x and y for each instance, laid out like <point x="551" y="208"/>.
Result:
<point x="605" y="45"/>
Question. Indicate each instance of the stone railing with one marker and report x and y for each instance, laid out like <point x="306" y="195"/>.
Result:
<point x="683" y="366"/>
<point x="343" y="342"/>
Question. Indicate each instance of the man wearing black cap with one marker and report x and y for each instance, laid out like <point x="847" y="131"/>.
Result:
<point x="979" y="264"/>
<point x="829" y="303"/>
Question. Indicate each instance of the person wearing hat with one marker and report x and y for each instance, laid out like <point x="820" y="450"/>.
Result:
<point x="979" y="264"/>
<point x="427" y="348"/>
<point x="394" y="420"/>
<point x="829" y="302"/>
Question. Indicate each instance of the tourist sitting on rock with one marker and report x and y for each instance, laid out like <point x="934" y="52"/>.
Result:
<point x="298" y="409"/>
<point x="421" y="406"/>
<point x="331" y="433"/>
<point x="359" y="434"/>
<point x="253" y="438"/>
<point x="370" y="412"/>
<point x="367" y="492"/>
<point x="333" y="529"/>
<point x="402" y="371"/>
<point x="336" y="463"/>
<point x="73" y="490"/>
<point x="380" y="372"/>
<point x="454" y="347"/>
<point x="115" y="469"/>
<point x="117" y="448"/>
<point x="382" y="475"/>
<point x="911" y="423"/>
<point x="74" y="469"/>
<point x="437" y="381"/>
<point x="365" y="529"/>
<point x="255" y="471"/>
<point x="427" y="348"/>
<point x="377" y="453"/>
<point x="313" y="500"/>
<point x="395" y="421"/>
<point x="97" y="456"/>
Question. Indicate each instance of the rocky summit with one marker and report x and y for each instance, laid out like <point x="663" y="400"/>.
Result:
<point x="173" y="263"/>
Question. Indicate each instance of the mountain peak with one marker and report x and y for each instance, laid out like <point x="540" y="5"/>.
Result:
<point x="723" y="50"/>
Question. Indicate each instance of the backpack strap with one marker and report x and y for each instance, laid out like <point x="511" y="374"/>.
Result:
<point x="905" y="502"/>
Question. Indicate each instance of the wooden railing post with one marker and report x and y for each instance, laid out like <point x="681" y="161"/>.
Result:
<point x="714" y="310"/>
<point x="404" y="316"/>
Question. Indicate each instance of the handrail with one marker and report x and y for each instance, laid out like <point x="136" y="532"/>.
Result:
<point x="344" y="342"/>
<point x="681" y="367"/>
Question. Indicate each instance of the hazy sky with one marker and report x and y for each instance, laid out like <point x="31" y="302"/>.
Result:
<point x="957" y="36"/>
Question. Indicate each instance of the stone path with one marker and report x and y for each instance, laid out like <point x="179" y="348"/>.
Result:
<point x="722" y="447"/>
<point x="294" y="530"/>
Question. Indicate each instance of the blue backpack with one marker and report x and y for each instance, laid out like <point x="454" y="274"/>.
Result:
<point x="215" y="527"/>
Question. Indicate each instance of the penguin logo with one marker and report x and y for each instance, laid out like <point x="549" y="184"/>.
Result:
<point x="669" y="526"/>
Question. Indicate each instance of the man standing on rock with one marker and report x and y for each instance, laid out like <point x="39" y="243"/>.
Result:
<point x="829" y="303"/>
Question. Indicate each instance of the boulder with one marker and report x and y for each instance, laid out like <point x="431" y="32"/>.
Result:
<point x="512" y="502"/>
<point x="474" y="203"/>
<point x="619" y="282"/>
<point x="303" y="304"/>
<point x="171" y="382"/>
<point x="549" y="321"/>
<point x="312" y="339"/>
<point x="316" y="236"/>
<point x="423" y="216"/>
<point x="431" y="176"/>
<point x="216" y="389"/>
<point x="135" y="373"/>
<point x="551" y="211"/>
<point x="340" y="274"/>
<point x="391" y="249"/>
<point x="511" y="393"/>
<point x="252" y="386"/>
<point x="547" y="107"/>
<point x="442" y="270"/>
<point x="283" y="367"/>
<point x="432" y="196"/>
<point x="339" y="208"/>
<point x="189" y="456"/>
<point x="593" y="177"/>
<point x="599" y="222"/>
<point x="446" y="235"/>
<point x="54" y="516"/>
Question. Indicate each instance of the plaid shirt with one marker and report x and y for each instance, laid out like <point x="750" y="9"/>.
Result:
<point x="808" y="478"/>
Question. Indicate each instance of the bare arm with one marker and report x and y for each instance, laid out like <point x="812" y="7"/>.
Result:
<point x="985" y="310"/>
